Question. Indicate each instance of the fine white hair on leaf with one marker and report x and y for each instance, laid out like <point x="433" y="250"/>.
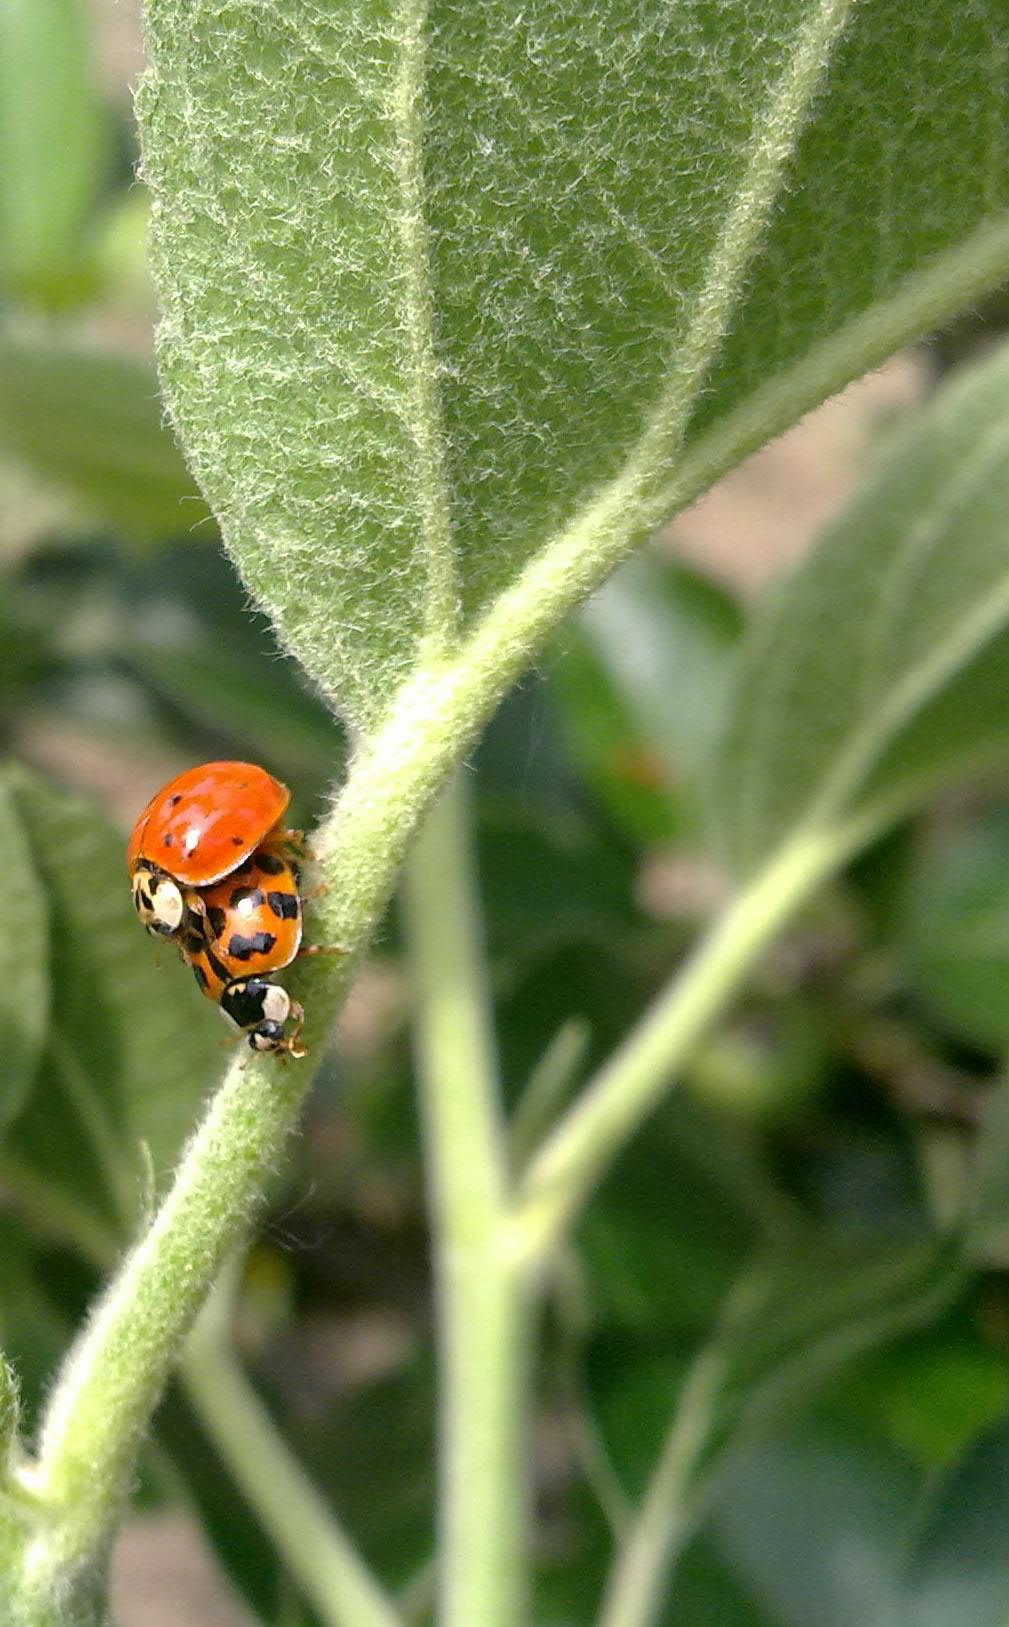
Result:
<point x="433" y="276"/>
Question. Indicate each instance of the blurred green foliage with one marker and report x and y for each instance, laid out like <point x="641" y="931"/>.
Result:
<point x="828" y="1126"/>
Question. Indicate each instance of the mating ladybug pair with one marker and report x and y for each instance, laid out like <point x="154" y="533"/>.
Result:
<point x="213" y="868"/>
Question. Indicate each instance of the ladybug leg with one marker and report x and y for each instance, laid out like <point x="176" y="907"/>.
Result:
<point x="196" y="909"/>
<point x="286" y="842"/>
<point x="322" y="949"/>
<point x="292" y="1046"/>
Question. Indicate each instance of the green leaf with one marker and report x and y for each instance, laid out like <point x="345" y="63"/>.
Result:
<point x="643" y="683"/>
<point x="958" y="1570"/>
<point x="813" y="1523"/>
<point x="898" y="171"/>
<point x="51" y="146"/>
<point x="988" y="1209"/>
<point x="372" y="1454"/>
<point x="935" y="1391"/>
<point x="35" y="1327"/>
<point x="791" y="1330"/>
<point x="89" y="422"/>
<point x="132" y="1046"/>
<point x="548" y="882"/>
<point x="709" y="1593"/>
<point x="870" y="675"/>
<point x="24" y="987"/>
<point x="668" y="1237"/>
<point x="443" y="283"/>
<point x="810" y="1317"/>
<point x="956" y="934"/>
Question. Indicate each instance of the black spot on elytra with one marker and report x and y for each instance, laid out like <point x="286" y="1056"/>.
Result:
<point x="192" y="942"/>
<point x="270" y="864"/>
<point x="216" y="919"/>
<point x="240" y="895"/>
<point x="167" y="840"/>
<point x="238" y="841"/>
<point x="284" y="905"/>
<point x="175" y="799"/>
<point x="200" y="976"/>
<point x="257" y="943"/>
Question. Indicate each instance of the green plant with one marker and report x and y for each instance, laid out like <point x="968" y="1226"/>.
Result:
<point x="457" y="305"/>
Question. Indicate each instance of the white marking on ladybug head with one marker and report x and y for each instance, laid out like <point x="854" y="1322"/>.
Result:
<point x="158" y="902"/>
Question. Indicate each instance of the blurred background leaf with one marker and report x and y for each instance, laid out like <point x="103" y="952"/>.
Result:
<point x="130" y="1053"/>
<point x="643" y="686"/>
<point x="52" y="149"/>
<point x="957" y="932"/>
<point x="24" y="988"/>
<point x="90" y="423"/>
<point x="871" y="674"/>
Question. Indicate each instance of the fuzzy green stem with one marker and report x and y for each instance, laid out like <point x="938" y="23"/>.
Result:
<point x="481" y="1314"/>
<point x="306" y="1533"/>
<point x="113" y="1376"/>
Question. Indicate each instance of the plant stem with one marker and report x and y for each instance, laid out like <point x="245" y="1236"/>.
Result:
<point x="112" y="1378"/>
<point x="666" y="1515"/>
<point x="306" y="1533"/>
<point x="631" y="1083"/>
<point x="551" y="1079"/>
<point x="481" y="1305"/>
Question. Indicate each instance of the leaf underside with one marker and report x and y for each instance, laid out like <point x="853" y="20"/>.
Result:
<point x="431" y="276"/>
<point x="880" y="666"/>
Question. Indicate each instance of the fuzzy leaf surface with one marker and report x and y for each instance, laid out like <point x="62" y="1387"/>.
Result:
<point x="878" y="667"/>
<point x="432" y="276"/>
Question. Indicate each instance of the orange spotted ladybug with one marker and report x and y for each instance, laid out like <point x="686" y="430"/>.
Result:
<point x="211" y="868"/>
<point x="198" y="829"/>
<point x="238" y="932"/>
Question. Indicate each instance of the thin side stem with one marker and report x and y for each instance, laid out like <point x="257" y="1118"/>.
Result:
<point x="669" y="1510"/>
<point x="307" y="1534"/>
<point x="569" y="1163"/>
<point x="481" y="1306"/>
<point x="665" y="1519"/>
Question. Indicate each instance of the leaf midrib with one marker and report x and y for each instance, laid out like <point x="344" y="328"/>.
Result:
<point x="424" y="415"/>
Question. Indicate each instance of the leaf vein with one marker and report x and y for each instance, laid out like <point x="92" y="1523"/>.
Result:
<point x="442" y="599"/>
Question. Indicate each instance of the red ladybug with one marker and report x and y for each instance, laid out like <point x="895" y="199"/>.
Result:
<point x="198" y="829"/>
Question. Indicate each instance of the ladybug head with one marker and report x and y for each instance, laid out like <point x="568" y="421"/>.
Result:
<point x="158" y="901"/>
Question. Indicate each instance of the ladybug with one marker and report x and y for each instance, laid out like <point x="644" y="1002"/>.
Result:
<point x="198" y="829"/>
<point x="235" y="934"/>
